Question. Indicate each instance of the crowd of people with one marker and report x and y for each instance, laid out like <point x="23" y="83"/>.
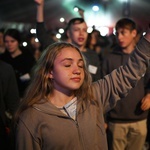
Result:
<point x="83" y="92"/>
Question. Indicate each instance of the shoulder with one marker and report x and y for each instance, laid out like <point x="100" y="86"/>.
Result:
<point x="27" y="56"/>
<point x="29" y="118"/>
<point x="5" y="67"/>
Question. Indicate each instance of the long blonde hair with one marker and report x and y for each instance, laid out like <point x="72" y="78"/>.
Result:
<point x="41" y="85"/>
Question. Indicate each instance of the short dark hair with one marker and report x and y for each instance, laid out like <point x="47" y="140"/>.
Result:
<point x="74" y="21"/>
<point x="13" y="33"/>
<point x="126" y="23"/>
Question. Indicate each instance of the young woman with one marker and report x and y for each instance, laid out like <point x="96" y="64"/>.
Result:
<point x="62" y="109"/>
<point x="21" y="61"/>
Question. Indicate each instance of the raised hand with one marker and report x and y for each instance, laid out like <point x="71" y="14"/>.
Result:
<point x="39" y="2"/>
<point x="145" y="102"/>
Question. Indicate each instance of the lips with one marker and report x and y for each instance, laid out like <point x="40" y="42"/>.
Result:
<point x="10" y="48"/>
<point x="120" y="43"/>
<point x="80" y="39"/>
<point x="77" y="79"/>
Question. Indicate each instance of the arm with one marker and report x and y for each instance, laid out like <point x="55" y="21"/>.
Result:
<point x="118" y="84"/>
<point x="24" y="138"/>
<point x="42" y="34"/>
<point x="40" y="10"/>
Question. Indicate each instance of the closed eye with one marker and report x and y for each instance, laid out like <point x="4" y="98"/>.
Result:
<point x="67" y="65"/>
<point x="80" y="66"/>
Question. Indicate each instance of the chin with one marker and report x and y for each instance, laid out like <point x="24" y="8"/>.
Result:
<point x="76" y="88"/>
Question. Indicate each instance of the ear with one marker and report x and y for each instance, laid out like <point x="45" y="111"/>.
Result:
<point x="68" y="33"/>
<point x="50" y="75"/>
<point x="134" y="33"/>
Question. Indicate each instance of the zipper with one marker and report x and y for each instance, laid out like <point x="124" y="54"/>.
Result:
<point x="80" y="135"/>
<point x="78" y="130"/>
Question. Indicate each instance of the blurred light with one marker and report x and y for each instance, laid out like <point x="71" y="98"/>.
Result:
<point x="36" y="40"/>
<point x="24" y="44"/>
<point x="98" y="19"/>
<point x="62" y="19"/>
<point x="90" y="29"/>
<point x="58" y="36"/>
<point x="144" y="33"/>
<point x="33" y="31"/>
<point x="104" y="31"/>
<point x="61" y="30"/>
<point x="114" y="31"/>
<point x="123" y="0"/>
<point x="76" y="9"/>
<point x="95" y="8"/>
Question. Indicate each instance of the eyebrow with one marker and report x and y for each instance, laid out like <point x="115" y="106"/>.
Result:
<point x="70" y="59"/>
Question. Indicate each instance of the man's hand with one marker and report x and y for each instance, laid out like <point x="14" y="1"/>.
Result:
<point x="146" y="102"/>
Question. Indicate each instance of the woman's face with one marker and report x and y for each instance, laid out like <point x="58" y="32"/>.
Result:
<point x="11" y="44"/>
<point x="68" y="71"/>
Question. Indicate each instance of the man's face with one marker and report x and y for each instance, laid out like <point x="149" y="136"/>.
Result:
<point x="125" y="37"/>
<point x="78" y="34"/>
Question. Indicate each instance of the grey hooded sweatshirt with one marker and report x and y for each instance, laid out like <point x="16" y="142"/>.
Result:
<point x="45" y="127"/>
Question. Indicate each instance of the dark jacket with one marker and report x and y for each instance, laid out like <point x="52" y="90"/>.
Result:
<point x="22" y="65"/>
<point x="128" y="109"/>
<point x="9" y="95"/>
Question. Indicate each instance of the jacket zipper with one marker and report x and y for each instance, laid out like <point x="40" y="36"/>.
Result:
<point x="80" y="135"/>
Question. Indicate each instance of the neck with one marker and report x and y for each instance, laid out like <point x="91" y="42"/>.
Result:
<point x="128" y="49"/>
<point x="59" y="99"/>
<point x="16" y="53"/>
<point x="82" y="48"/>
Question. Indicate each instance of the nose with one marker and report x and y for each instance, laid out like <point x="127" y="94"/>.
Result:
<point x="81" y="32"/>
<point x="76" y="70"/>
<point x="119" y="36"/>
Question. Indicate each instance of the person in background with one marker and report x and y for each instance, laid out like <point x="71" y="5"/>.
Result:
<point x="97" y="43"/>
<point x="95" y="39"/>
<point x="128" y="119"/>
<point x="2" y="45"/>
<point x="9" y="102"/>
<point x="63" y="108"/>
<point x="35" y="46"/>
<point x="76" y="31"/>
<point x="21" y="61"/>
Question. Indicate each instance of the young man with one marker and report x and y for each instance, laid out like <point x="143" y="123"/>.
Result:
<point x="77" y="34"/>
<point x="127" y="121"/>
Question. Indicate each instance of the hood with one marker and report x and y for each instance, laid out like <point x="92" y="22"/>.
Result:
<point x="48" y="108"/>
